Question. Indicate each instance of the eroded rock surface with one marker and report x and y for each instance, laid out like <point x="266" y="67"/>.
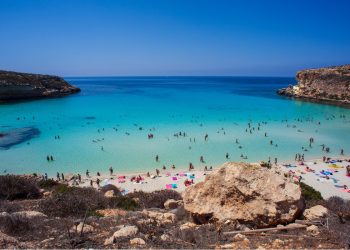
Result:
<point x="244" y="193"/>
<point x="329" y="85"/>
<point x="16" y="86"/>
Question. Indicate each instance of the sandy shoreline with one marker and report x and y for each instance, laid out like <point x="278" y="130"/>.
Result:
<point x="331" y="186"/>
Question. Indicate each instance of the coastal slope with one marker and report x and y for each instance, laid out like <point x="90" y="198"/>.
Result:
<point x="325" y="85"/>
<point x="17" y="86"/>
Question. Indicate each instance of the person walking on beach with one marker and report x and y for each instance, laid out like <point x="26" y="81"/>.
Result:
<point x="87" y="173"/>
<point x="110" y="170"/>
<point x="91" y="183"/>
<point x="79" y="178"/>
<point x="58" y="176"/>
<point x="46" y="177"/>
<point x="62" y="175"/>
<point x="157" y="172"/>
<point x="98" y="182"/>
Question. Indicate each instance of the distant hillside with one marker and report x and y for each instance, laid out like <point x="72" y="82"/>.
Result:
<point x="328" y="85"/>
<point x="16" y="86"/>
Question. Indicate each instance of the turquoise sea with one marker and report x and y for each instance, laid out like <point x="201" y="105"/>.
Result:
<point x="108" y="123"/>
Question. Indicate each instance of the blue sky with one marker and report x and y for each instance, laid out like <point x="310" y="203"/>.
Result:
<point x="135" y="37"/>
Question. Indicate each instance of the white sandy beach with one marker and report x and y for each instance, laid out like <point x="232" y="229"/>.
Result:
<point x="332" y="186"/>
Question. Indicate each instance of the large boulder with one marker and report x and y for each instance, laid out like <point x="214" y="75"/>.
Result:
<point x="244" y="193"/>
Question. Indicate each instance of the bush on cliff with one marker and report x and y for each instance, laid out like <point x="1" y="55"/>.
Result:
<point x="16" y="187"/>
<point x="72" y="201"/>
<point x="68" y="201"/>
<point x="155" y="199"/>
<point x="310" y="195"/>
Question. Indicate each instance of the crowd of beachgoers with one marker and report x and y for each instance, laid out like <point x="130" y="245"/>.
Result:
<point x="331" y="176"/>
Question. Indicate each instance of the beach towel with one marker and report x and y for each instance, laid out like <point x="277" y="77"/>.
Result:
<point x="121" y="177"/>
<point x="174" y="178"/>
<point x="335" y="166"/>
<point x="174" y="185"/>
<point x="345" y="190"/>
<point x="192" y="176"/>
<point x="168" y="186"/>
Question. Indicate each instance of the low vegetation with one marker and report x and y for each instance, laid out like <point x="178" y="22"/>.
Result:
<point x="310" y="195"/>
<point x="16" y="187"/>
<point x="155" y="199"/>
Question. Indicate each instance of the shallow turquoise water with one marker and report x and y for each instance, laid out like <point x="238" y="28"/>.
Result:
<point x="221" y="107"/>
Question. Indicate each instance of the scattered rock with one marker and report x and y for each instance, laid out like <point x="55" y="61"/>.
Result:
<point x="172" y="204"/>
<point x="316" y="212"/>
<point x="127" y="231"/>
<point x="111" y="212"/>
<point x="165" y="237"/>
<point x="239" y="237"/>
<point x="161" y="218"/>
<point x="277" y="243"/>
<point x="30" y="214"/>
<point x="137" y="241"/>
<point x="109" y="194"/>
<point x="188" y="231"/>
<point x="87" y="228"/>
<point x="313" y="230"/>
<point x="246" y="193"/>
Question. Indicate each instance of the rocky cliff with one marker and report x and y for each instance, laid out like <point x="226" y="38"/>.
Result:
<point x="328" y="85"/>
<point x="16" y="86"/>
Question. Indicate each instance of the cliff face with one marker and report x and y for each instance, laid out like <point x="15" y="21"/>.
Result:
<point x="16" y="86"/>
<point x="329" y="85"/>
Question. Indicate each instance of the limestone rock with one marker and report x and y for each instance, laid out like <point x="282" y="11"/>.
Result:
<point x="137" y="241"/>
<point x="127" y="231"/>
<point x="328" y="85"/>
<point x="313" y="230"/>
<point x="188" y="231"/>
<point x="111" y="212"/>
<point x="165" y="237"/>
<point x="245" y="193"/>
<point x="162" y="218"/>
<point x="30" y="214"/>
<point x="87" y="228"/>
<point x="172" y="204"/>
<point x="109" y="194"/>
<point x="277" y="243"/>
<point x="123" y="232"/>
<point x="239" y="237"/>
<point x="315" y="212"/>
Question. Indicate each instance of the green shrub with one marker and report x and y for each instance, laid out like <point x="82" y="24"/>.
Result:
<point x="310" y="194"/>
<point x="123" y="202"/>
<point x="47" y="184"/>
<point x="155" y="199"/>
<point x="16" y="187"/>
<point x="73" y="201"/>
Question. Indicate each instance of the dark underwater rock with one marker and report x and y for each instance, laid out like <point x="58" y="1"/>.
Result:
<point x="16" y="136"/>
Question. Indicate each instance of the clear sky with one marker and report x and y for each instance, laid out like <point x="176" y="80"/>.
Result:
<point x="173" y="37"/>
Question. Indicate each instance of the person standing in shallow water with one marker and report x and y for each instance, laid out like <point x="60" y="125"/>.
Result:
<point x="110" y="170"/>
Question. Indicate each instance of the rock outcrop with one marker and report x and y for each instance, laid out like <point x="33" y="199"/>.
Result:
<point x="245" y="193"/>
<point x="329" y="85"/>
<point x="17" y="86"/>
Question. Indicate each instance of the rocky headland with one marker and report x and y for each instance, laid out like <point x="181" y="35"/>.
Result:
<point x="329" y="85"/>
<point x="18" y="86"/>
